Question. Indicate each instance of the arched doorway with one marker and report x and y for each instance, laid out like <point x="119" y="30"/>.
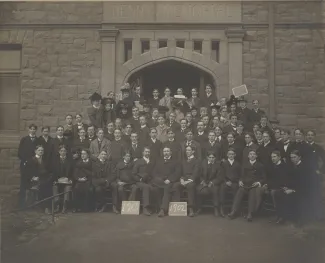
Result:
<point x="171" y="73"/>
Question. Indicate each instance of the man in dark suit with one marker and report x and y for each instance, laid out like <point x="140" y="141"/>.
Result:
<point x="252" y="177"/>
<point x="232" y="127"/>
<point x="80" y="142"/>
<point x="118" y="147"/>
<point x="153" y="121"/>
<point x="191" y="168"/>
<point x="201" y="136"/>
<point x="166" y="173"/>
<point x="91" y="133"/>
<point x="142" y="175"/>
<point x="194" y="101"/>
<point x="154" y="144"/>
<point x="180" y="135"/>
<point x="264" y="151"/>
<point x="211" y="179"/>
<point x="60" y="140"/>
<point x="173" y="145"/>
<point x="317" y="152"/>
<point x="78" y="125"/>
<point x="154" y="101"/>
<point x="99" y="145"/>
<point x="135" y="148"/>
<point x="134" y="120"/>
<point x="230" y="170"/>
<point x="212" y="146"/>
<point x="47" y="142"/>
<point x="250" y="145"/>
<point x="256" y="113"/>
<point x="190" y="142"/>
<point x="95" y="112"/>
<point x="175" y="126"/>
<point x="26" y="150"/>
<point x="144" y="130"/>
<point x="231" y="143"/>
<point x="208" y="97"/>
<point x="244" y="113"/>
<point x="286" y="147"/>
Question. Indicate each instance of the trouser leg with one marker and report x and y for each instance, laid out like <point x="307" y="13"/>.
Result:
<point x="238" y="198"/>
<point x="114" y="190"/>
<point x="146" y="189"/>
<point x="55" y="190"/>
<point x="252" y="199"/>
<point x="176" y="192"/>
<point x="216" y="191"/>
<point x="166" y="197"/>
<point x="134" y="190"/>
<point x="191" y="194"/>
<point x="259" y="196"/>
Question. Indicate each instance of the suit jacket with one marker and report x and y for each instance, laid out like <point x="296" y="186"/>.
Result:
<point x="236" y="146"/>
<point x="62" y="168"/>
<point x="175" y="126"/>
<point x="96" y="148"/>
<point x="169" y="169"/>
<point x="135" y="124"/>
<point x="216" y="148"/>
<point x="202" y="139"/>
<point x="152" y="123"/>
<point x="162" y="133"/>
<point x="191" y="169"/>
<point x="194" y="102"/>
<point x="154" y="102"/>
<point x="118" y="149"/>
<point x="317" y="157"/>
<point x="76" y="128"/>
<point x="229" y="128"/>
<point x="278" y="176"/>
<point x="247" y="149"/>
<point x="96" y="116"/>
<point x="41" y="170"/>
<point x="109" y="136"/>
<point x="180" y="135"/>
<point x="57" y="143"/>
<point x="143" y="134"/>
<point x="255" y="116"/>
<point x="231" y="172"/>
<point x="155" y="149"/>
<point x="142" y="171"/>
<point x="48" y="149"/>
<point x="26" y="148"/>
<point x="245" y="116"/>
<point x="103" y="173"/>
<point x="77" y="145"/>
<point x="207" y="101"/>
<point x="175" y="148"/>
<point x="68" y="132"/>
<point x="124" y="172"/>
<point x="252" y="173"/>
<point x="137" y="151"/>
<point x="196" y="145"/>
<point x="264" y="155"/>
<point x="108" y="116"/>
<point x="84" y="169"/>
<point x="214" y="174"/>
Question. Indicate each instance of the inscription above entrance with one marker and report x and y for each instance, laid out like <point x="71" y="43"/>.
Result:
<point x="172" y="12"/>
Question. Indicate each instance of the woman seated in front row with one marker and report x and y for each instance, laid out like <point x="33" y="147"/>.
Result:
<point x="82" y="175"/>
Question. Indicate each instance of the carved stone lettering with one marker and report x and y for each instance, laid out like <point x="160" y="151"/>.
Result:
<point x="169" y="12"/>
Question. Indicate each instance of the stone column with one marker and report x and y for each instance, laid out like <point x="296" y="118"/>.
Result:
<point x="108" y="41"/>
<point x="271" y="58"/>
<point x="235" y="57"/>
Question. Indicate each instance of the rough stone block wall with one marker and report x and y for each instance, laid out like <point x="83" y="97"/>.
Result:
<point x="60" y="69"/>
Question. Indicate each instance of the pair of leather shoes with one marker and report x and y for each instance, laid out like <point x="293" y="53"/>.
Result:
<point x="232" y="215"/>
<point x="115" y="210"/>
<point x="161" y="213"/>
<point x="249" y="218"/>
<point x="103" y="208"/>
<point x="146" y="212"/>
<point x="280" y="221"/>
<point x="191" y="212"/>
<point x="222" y="213"/>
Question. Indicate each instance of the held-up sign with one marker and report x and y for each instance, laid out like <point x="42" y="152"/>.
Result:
<point x="177" y="209"/>
<point x="130" y="208"/>
<point x="240" y="91"/>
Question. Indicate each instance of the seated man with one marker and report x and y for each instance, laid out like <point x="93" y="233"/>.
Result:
<point x="103" y="179"/>
<point x="252" y="177"/>
<point x="142" y="173"/>
<point x="230" y="169"/>
<point x="62" y="171"/>
<point x="124" y="177"/>
<point x="211" y="180"/>
<point x="166" y="172"/>
<point x="190" y="174"/>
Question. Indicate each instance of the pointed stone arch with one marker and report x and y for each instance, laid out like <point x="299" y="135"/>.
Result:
<point x="218" y="72"/>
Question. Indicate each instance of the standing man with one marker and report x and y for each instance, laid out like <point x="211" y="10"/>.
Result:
<point x="26" y="151"/>
<point x="99" y="145"/>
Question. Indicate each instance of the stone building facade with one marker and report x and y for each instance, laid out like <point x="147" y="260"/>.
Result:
<point x="57" y="54"/>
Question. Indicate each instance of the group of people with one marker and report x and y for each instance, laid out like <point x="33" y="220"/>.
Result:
<point x="160" y="150"/>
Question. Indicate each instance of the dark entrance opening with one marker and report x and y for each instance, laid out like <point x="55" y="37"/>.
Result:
<point x="172" y="74"/>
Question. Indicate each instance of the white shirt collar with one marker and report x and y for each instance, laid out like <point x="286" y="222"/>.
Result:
<point x="171" y="140"/>
<point x="266" y="144"/>
<point x="143" y="126"/>
<point x="252" y="162"/>
<point x="146" y="159"/>
<point x="311" y="143"/>
<point x="167" y="158"/>
<point x="200" y="133"/>
<point x="59" y="137"/>
<point x="86" y="161"/>
<point x="278" y="163"/>
<point x="154" y="140"/>
<point x="298" y="162"/>
<point x="249" y="144"/>
<point x="191" y="157"/>
<point x="96" y="107"/>
<point x="231" y="161"/>
<point x="37" y="156"/>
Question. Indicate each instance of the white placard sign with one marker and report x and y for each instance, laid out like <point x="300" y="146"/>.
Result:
<point x="177" y="209"/>
<point x="130" y="208"/>
<point x="240" y="91"/>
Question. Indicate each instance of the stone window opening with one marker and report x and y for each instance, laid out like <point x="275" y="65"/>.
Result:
<point x="180" y="43"/>
<point x="197" y="46"/>
<point x="215" y="46"/>
<point x="162" y="43"/>
<point x="10" y="71"/>
<point x="127" y="50"/>
<point x="145" y="46"/>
